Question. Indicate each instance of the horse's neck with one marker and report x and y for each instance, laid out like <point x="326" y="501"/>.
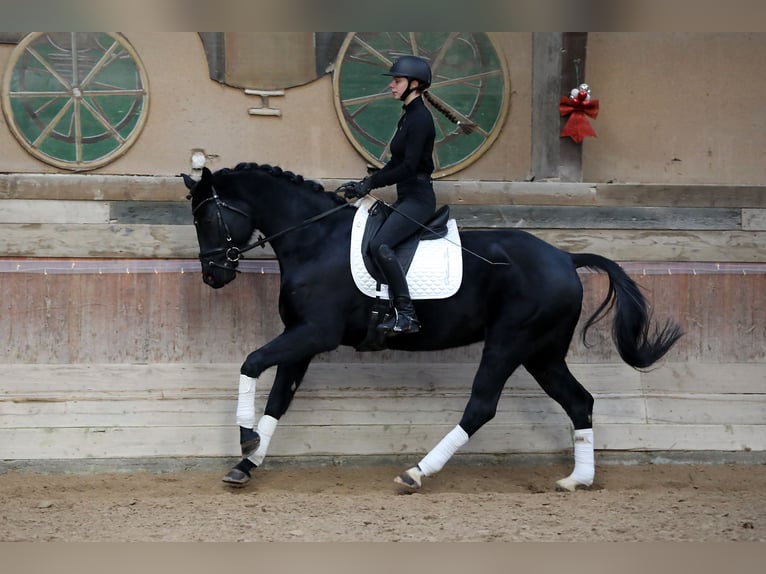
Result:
<point x="274" y="210"/>
<point x="284" y="211"/>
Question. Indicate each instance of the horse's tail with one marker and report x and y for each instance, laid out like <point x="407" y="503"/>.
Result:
<point x="632" y="319"/>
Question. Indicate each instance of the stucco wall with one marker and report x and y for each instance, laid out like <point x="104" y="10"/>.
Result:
<point x="680" y="108"/>
<point x="190" y="111"/>
<point x="677" y="108"/>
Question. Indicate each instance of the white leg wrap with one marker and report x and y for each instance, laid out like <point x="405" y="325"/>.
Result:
<point x="266" y="427"/>
<point x="246" y="402"/>
<point x="435" y="460"/>
<point x="585" y="468"/>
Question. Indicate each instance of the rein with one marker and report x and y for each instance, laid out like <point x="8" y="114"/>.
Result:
<point x="232" y="252"/>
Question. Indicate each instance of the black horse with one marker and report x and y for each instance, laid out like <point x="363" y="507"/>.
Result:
<point x="519" y="294"/>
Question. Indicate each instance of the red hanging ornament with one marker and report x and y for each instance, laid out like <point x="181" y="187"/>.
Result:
<point x="578" y="106"/>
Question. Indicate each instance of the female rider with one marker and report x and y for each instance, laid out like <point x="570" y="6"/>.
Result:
<point x="410" y="168"/>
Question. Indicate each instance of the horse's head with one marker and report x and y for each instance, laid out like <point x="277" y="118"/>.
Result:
<point x="222" y="227"/>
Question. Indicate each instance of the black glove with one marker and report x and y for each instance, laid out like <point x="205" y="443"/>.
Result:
<point x="356" y="189"/>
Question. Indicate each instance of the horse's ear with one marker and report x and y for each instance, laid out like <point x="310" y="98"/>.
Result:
<point x="188" y="181"/>
<point x="207" y="175"/>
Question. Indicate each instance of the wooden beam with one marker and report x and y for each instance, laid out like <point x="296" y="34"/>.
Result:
<point x="587" y="218"/>
<point x="180" y="241"/>
<point x="171" y="189"/>
<point x="546" y="87"/>
<point x="573" y="58"/>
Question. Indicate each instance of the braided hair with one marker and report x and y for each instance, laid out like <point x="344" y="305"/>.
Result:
<point x="416" y="68"/>
<point x="466" y="127"/>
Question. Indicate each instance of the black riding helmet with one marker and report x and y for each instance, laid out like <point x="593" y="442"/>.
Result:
<point x="412" y="68"/>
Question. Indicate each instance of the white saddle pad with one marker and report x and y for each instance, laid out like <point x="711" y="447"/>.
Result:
<point x="436" y="270"/>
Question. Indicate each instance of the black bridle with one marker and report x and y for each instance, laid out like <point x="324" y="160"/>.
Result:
<point x="234" y="253"/>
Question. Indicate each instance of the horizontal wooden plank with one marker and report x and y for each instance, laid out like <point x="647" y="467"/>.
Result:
<point x="468" y="216"/>
<point x="675" y="437"/>
<point x="150" y="212"/>
<point x="626" y="245"/>
<point x="173" y="380"/>
<point x="76" y="382"/>
<point x="720" y="378"/>
<point x="475" y="192"/>
<point x="375" y="408"/>
<point x="456" y="192"/>
<point x="48" y="211"/>
<point x="289" y="440"/>
<point x="580" y="217"/>
<point x="754" y="219"/>
<point x="179" y="241"/>
<point x="706" y="409"/>
<point x="94" y="240"/>
<point x="102" y="442"/>
<point x="661" y="195"/>
<point x="99" y="381"/>
<point x="307" y="410"/>
<point x="91" y="186"/>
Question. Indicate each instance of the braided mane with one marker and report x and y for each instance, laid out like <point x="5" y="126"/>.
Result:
<point x="278" y="172"/>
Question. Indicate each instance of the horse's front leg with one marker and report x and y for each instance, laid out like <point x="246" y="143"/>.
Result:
<point x="254" y="442"/>
<point x="292" y="353"/>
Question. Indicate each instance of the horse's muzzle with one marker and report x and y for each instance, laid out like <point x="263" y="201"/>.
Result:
<point x="217" y="275"/>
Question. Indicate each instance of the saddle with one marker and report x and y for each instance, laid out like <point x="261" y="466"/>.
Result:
<point x="435" y="228"/>
<point x="431" y="259"/>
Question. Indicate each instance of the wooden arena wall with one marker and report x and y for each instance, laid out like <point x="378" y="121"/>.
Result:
<point x="114" y="348"/>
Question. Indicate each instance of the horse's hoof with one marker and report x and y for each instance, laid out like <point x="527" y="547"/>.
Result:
<point x="237" y="478"/>
<point x="569" y="484"/>
<point x="410" y="480"/>
<point x="249" y="440"/>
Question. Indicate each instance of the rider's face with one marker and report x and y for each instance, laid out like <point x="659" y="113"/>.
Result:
<point x="398" y="86"/>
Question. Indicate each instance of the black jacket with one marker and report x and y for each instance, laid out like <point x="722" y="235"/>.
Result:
<point x="411" y="148"/>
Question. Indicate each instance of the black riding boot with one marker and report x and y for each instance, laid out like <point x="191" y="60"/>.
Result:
<point x="402" y="318"/>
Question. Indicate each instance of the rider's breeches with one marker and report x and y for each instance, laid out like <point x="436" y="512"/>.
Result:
<point x="405" y="221"/>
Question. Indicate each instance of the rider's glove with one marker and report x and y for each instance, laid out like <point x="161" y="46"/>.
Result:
<point x="356" y="189"/>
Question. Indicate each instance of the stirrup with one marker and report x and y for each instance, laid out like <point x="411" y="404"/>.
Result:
<point x="399" y="324"/>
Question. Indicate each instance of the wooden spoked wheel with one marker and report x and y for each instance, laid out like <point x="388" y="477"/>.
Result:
<point x="75" y="100"/>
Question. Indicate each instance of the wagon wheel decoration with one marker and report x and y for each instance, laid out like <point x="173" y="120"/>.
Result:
<point x="75" y="100"/>
<point x="470" y="77"/>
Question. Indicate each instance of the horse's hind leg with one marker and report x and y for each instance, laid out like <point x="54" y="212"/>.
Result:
<point x="558" y="382"/>
<point x="497" y="365"/>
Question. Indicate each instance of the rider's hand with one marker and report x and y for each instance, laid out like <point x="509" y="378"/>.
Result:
<point x="355" y="189"/>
